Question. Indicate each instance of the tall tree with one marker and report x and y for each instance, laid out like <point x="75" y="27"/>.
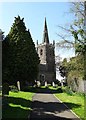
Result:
<point x="63" y="68"/>
<point x="75" y="29"/>
<point x="23" y="58"/>
<point x="78" y="41"/>
<point x="80" y="36"/>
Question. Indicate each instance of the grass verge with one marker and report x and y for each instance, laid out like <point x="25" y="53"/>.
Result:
<point x="18" y="105"/>
<point x="75" y="102"/>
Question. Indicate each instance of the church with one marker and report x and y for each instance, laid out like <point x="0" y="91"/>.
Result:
<point x="46" y="52"/>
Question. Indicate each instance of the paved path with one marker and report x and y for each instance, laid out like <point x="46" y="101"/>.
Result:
<point x="47" y="107"/>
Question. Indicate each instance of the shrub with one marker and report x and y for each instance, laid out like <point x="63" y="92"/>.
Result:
<point x="69" y="91"/>
<point x="60" y="90"/>
<point x="13" y="88"/>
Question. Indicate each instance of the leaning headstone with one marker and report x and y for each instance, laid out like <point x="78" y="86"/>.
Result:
<point x="5" y="89"/>
<point x="18" y="85"/>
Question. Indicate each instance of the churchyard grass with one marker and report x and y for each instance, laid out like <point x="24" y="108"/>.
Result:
<point x="74" y="101"/>
<point x="19" y="105"/>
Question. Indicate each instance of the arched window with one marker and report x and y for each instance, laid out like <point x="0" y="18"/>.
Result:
<point x="41" y="52"/>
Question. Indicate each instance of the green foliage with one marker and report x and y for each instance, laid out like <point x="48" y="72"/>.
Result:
<point x="75" y="64"/>
<point x="13" y="88"/>
<point x="69" y="91"/>
<point x="73" y="71"/>
<point x="21" y="57"/>
<point x="80" y="40"/>
<point x="60" y="90"/>
<point x="77" y="29"/>
<point x="6" y="60"/>
<point x="63" y="68"/>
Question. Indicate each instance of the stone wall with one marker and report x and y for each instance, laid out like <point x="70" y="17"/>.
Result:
<point x="78" y="85"/>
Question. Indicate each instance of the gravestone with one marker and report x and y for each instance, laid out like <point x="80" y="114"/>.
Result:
<point x="45" y="83"/>
<point x="18" y="85"/>
<point x="38" y="83"/>
<point x="61" y="83"/>
<point x="5" y="89"/>
<point x="53" y="84"/>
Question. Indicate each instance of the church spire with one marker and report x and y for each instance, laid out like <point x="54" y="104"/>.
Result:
<point x="45" y="34"/>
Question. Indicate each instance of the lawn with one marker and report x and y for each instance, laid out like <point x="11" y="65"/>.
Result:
<point x="75" y="102"/>
<point x="19" y="105"/>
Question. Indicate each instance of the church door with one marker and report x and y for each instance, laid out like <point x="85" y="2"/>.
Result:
<point x="42" y="79"/>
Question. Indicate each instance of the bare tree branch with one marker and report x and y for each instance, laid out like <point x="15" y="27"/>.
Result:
<point x="74" y="29"/>
<point x="79" y="9"/>
<point x="64" y="40"/>
<point x="66" y="29"/>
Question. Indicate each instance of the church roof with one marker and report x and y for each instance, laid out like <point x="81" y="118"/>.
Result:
<point x="45" y="34"/>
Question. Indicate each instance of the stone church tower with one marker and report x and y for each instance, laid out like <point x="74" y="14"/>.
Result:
<point x="47" y="71"/>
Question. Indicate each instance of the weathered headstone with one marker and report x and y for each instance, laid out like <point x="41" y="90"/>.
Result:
<point x="45" y="83"/>
<point x="61" y="83"/>
<point x="38" y="83"/>
<point x="53" y="84"/>
<point x="18" y="85"/>
<point x="5" y="89"/>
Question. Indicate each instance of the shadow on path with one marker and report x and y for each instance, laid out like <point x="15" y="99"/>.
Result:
<point x="46" y="107"/>
<point x="46" y="90"/>
<point x="51" y="110"/>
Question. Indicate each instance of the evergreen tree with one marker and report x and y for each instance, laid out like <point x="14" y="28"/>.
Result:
<point x="63" y="68"/>
<point x="5" y="60"/>
<point x="23" y="58"/>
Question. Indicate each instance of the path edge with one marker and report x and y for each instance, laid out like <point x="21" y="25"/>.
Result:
<point x="67" y="107"/>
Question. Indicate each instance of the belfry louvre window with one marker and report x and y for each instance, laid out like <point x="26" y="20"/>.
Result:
<point x="41" y="52"/>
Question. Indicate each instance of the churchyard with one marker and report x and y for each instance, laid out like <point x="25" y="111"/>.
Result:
<point x="18" y="103"/>
<point x="24" y="65"/>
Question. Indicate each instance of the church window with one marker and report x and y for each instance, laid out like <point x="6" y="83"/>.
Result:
<point x="41" y="52"/>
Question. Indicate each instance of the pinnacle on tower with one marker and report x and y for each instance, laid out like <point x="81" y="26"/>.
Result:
<point x="45" y="34"/>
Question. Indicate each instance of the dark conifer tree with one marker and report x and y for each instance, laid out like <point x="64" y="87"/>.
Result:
<point x="23" y="58"/>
